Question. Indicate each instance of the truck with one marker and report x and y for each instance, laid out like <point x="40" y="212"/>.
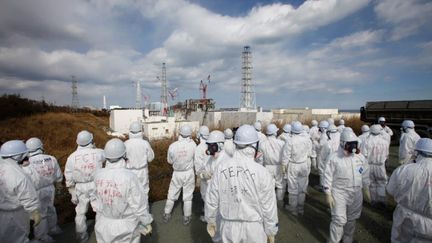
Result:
<point x="395" y="112"/>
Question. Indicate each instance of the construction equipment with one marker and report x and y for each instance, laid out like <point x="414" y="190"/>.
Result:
<point x="395" y="112"/>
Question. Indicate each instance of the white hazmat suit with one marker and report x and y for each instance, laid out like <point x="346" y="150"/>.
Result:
<point x="296" y="155"/>
<point x="181" y="157"/>
<point x="18" y="198"/>
<point x="272" y="151"/>
<point x="139" y="153"/>
<point x="242" y="193"/>
<point x="407" y="144"/>
<point x="79" y="172"/>
<point x="344" y="178"/>
<point x="329" y="144"/>
<point x="229" y="147"/>
<point x="49" y="172"/>
<point x="410" y="185"/>
<point x="376" y="151"/>
<point x="121" y="204"/>
<point x="315" y="136"/>
<point x="200" y="160"/>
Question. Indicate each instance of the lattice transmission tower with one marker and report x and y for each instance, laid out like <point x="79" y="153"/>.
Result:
<point x="75" y="101"/>
<point x="164" y="91"/>
<point x="247" y="88"/>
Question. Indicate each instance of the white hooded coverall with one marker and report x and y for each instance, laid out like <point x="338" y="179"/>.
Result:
<point x="344" y="178"/>
<point x="79" y="172"/>
<point x="200" y="160"/>
<point x="210" y="168"/>
<point x="407" y="145"/>
<point x="376" y="151"/>
<point x="328" y="146"/>
<point x="121" y="204"/>
<point x="315" y="136"/>
<point x="262" y="137"/>
<point x="18" y="198"/>
<point x="181" y="157"/>
<point x="272" y="151"/>
<point x="229" y="147"/>
<point x="410" y="185"/>
<point x="362" y="138"/>
<point x="242" y="192"/>
<point x="44" y="171"/>
<point x="284" y="136"/>
<point x="139" y="153"/>
<point x="295" y="155"/>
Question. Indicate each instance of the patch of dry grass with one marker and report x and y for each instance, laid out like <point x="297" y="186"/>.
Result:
<point x="58" y="132"/>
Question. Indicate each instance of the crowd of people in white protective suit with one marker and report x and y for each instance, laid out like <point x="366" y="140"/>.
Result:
<point x="243" y="179"/>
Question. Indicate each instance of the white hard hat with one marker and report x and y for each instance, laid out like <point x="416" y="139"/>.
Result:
<point x="257" y="126"/>
<point x="332" y="128"/>
<point x="341" y="122"/>
<point x="185" y="130"/>
<point x="216" y="137"/>
<point x="204" y="132"/>
<point x="228" y="133"/>
<point x="246" y="134"/>
<point x="114" y="149"/>
<point x="297" y="127"/>
<point x="34" y="144"/>
<point x="376" y="129"/>
<point x="408" y="123"/>
<point x="381" y="119"/>
<point x="348" y="136"/>
<point x="12" y="148"/>
<point x="348" y="129"/>
<point x="84" y="138"/>
<point x="365" y="128"/>
<point x="323" y="124"/>
<point x="424" y="145"/>
<point x="135" y="127"/>
<point x="330" y="120"/>
<point x="314" y="123"/>
<point x="287" y="128"/>
<point x="306" y="128"/>
<point x="271" y="129"/>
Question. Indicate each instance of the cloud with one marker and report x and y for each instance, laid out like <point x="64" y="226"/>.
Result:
<point x="108" y="44"/>
<point x="406" y="17"/>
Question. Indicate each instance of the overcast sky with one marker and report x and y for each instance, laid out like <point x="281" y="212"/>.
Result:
<point x="328" y="53"/>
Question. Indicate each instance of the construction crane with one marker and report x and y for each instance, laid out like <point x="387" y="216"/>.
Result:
<point x="203" y="88"/>
<point x="173" y="93"/>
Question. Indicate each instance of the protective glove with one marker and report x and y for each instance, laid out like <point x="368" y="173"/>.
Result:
<point x="146" y="230"/>
<point x="205" y="175"/>
<point x="284" y="169"/>
<point x="211" y="229"/>
<point x="366" y="195"/>
<point x="72" y="192"/>
<point x="329" y="200"/>
<point x="36" y="217"/>
<point x="270" y="239"/>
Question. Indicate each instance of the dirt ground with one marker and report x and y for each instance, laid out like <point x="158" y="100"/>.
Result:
<point x="373" y="226"/>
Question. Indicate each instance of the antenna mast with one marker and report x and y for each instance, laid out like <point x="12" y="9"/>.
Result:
<point x="75" y="101"/>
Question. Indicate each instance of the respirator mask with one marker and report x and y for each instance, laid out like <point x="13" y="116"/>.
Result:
<point x="351" y="147"/>
<point x="212" y="149"/>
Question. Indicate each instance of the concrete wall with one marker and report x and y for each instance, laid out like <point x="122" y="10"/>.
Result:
<point x="121" y="119"/>
<point x="225" y="119"/>
<point x="160" y="130"/>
